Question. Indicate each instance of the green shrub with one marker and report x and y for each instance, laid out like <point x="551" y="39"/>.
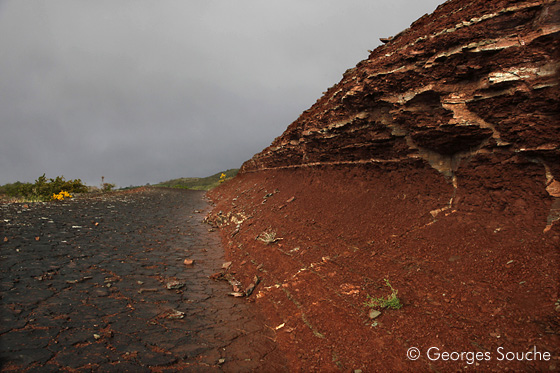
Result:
<point x="43" y="189"/>
<point x="14" y="189"/>
<point x="392" y="301"/>
<point x="107" y="187"/>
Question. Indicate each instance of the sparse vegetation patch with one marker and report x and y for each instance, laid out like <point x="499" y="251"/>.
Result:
<point x="391" y="301"/>
<point x="44" y="189"/>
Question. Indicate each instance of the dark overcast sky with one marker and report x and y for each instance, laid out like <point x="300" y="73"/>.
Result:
<point x="142" y="91"/>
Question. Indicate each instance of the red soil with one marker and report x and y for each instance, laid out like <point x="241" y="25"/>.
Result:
<point x="480" y="276"/>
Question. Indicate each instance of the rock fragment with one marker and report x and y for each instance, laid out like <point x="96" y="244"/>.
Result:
<point x="175" y="314"/>
<point x="374" y="314"/>
<point x="171" y="285"/>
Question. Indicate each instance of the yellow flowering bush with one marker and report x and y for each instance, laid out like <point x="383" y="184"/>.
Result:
<point x="222" y="177"/>
<point x="60" y="196"/>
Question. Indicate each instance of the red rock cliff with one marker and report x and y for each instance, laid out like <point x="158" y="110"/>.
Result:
<point x="472" y="79"/>
<point x="434" y="163"/>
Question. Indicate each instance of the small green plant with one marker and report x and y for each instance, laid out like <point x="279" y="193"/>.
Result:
<point x="392" y="301"/>
<point x="107" y="187"/>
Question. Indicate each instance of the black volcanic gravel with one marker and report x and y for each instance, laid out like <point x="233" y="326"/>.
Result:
<point x="84" y="286"/>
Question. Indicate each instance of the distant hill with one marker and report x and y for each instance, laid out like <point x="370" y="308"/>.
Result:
<point x="198" y="183"/>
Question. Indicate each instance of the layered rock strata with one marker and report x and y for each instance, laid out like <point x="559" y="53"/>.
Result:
<point x="473" y="80"/>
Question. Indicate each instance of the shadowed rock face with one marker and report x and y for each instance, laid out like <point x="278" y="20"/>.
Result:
<point x="474" y="79"/>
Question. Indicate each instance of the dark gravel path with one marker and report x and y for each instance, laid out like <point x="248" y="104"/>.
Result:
<point x="84" y="286"/>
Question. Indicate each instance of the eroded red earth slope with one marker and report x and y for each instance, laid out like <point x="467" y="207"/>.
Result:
<point x="435" y="164"/>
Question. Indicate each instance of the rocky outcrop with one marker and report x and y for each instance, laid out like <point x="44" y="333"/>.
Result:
<point x="473" y="80"/>
<point x="434" y="164"/>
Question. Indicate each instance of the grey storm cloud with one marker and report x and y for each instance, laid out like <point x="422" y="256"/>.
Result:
<point x="143" y="91"/>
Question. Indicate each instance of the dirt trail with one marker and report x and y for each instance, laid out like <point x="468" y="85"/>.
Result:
<point x="99" y="283"/>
